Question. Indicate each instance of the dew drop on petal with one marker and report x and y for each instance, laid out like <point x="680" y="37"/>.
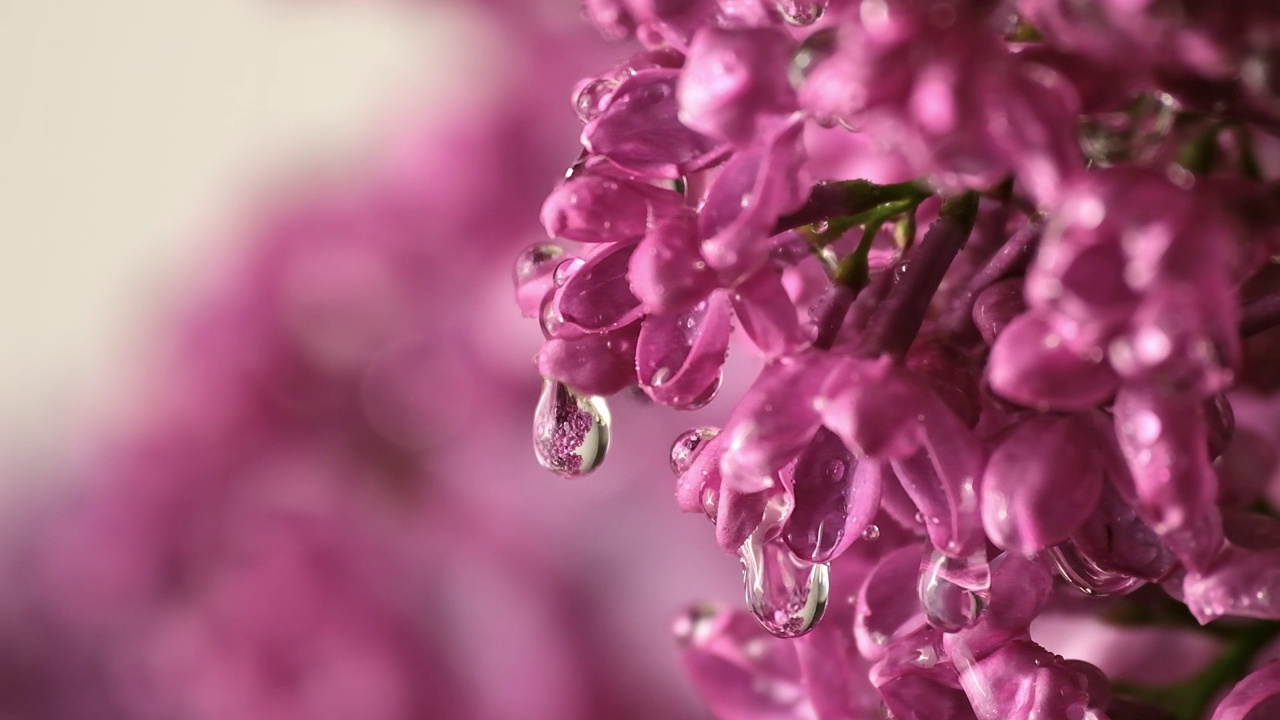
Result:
<point x="687" y="446"/>
<point x="786" y="594"/>
<point x="871" y="533"/>
<point x="710" y="502"/>
<point x="947" y="605"/>
<point x="802" y="13"/>
<point x="570" y="431"/>
<point x="1086" y="576"/>
<point x="549" y="317"/>
<point x="592" y="96"/>
<point x="566" y="270"/>
<point x="533" y="261"/>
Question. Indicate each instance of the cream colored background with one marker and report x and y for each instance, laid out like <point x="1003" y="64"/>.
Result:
<point x="134" y="132"/>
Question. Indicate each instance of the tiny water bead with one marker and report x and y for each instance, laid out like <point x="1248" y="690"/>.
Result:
<point x="686" y="447"/>
<point x="570" y="430"/>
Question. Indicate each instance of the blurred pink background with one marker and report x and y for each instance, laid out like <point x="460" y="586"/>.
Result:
<point x="264" y="394"/>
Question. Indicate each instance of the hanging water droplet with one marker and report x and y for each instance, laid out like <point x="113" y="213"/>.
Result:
<point x="1086" y="576"/>
<point x="947" y="606"/>
<point x="592" y="96"/>
<point x="533" y="262"/>
<point x="566" y="270"/>
<point x="802" y="13"/>
<point x="687" y="446"/>
<point x="871" y="533"/>
<point x="786" y="594"/>
<point x="814" y="50"/>
<point x="570" y="431"/>
<point x="702" y="399"/>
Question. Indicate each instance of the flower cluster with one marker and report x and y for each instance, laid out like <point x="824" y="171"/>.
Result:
<point x="1007" y="266"/>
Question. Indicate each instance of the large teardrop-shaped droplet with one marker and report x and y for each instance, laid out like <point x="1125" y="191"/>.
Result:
<point x="948" y="604"/>
<point x="688" y="445"/>
<point x="786" y="594"/>
<point x="802" y="13"/>
<point x="570" y="431"/>
<point x="1086" y="576"/>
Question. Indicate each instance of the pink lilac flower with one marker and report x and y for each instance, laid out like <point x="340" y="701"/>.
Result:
<point x="1009" y="270"/>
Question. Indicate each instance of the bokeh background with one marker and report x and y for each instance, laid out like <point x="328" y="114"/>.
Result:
<point x="264" y="393"/>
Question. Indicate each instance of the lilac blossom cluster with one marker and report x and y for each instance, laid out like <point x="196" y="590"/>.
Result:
<point x="1004" y="264"/>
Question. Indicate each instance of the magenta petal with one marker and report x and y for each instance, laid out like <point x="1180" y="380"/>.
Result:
<point x="775" y="419"/>
<point x="942" y="479"/>
<point x="888" y="607"/>
<point x="734" y="80"/>
<point x="997" y="306"/>
<point x="1244" y="579"/>
<point x="874" y="407"/>
<point x="767" y="314"/>
<point x="916" y="697"/>
<point x="1032" y="366"/>
<point x="640" y="129"/>
<point x="739" y="670"/>
<point x="592" y="364"/>
<point x="1163" y="436"/>
<point x="835" y="498"/>
<point x="747" y="197"/>
<point x="667" y="272"/>
<point x="593" y="207"/>
<point x="1042" y="482"/>
<point x="598" y="296"/>
<point x="1257" y="697"/>
<point x="834" y="674"/>
<point x="737" y="516"/>
<point x="679" y="357"/>
<point x="1023" y="681"/>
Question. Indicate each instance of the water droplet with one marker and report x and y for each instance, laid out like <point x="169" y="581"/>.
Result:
<point x="919" y="518"/>
<point x="533" y="262"/>
<point x="710" y="502"/>
<point x="871" y="533"/>
<point x="549" y="317"/>
<point x="687" y="446"/>
<point x="592" y="96"/>
<point x="570" y="431"/>
<point x="813" y="51"/>
<point x="786" y="594"/>
<point x="1086" y="576"/>
<point x="702" y="399"/>
<point x="566" y="270"/>
<point x="947" y="605"/>
<point x="802" y="13"/>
